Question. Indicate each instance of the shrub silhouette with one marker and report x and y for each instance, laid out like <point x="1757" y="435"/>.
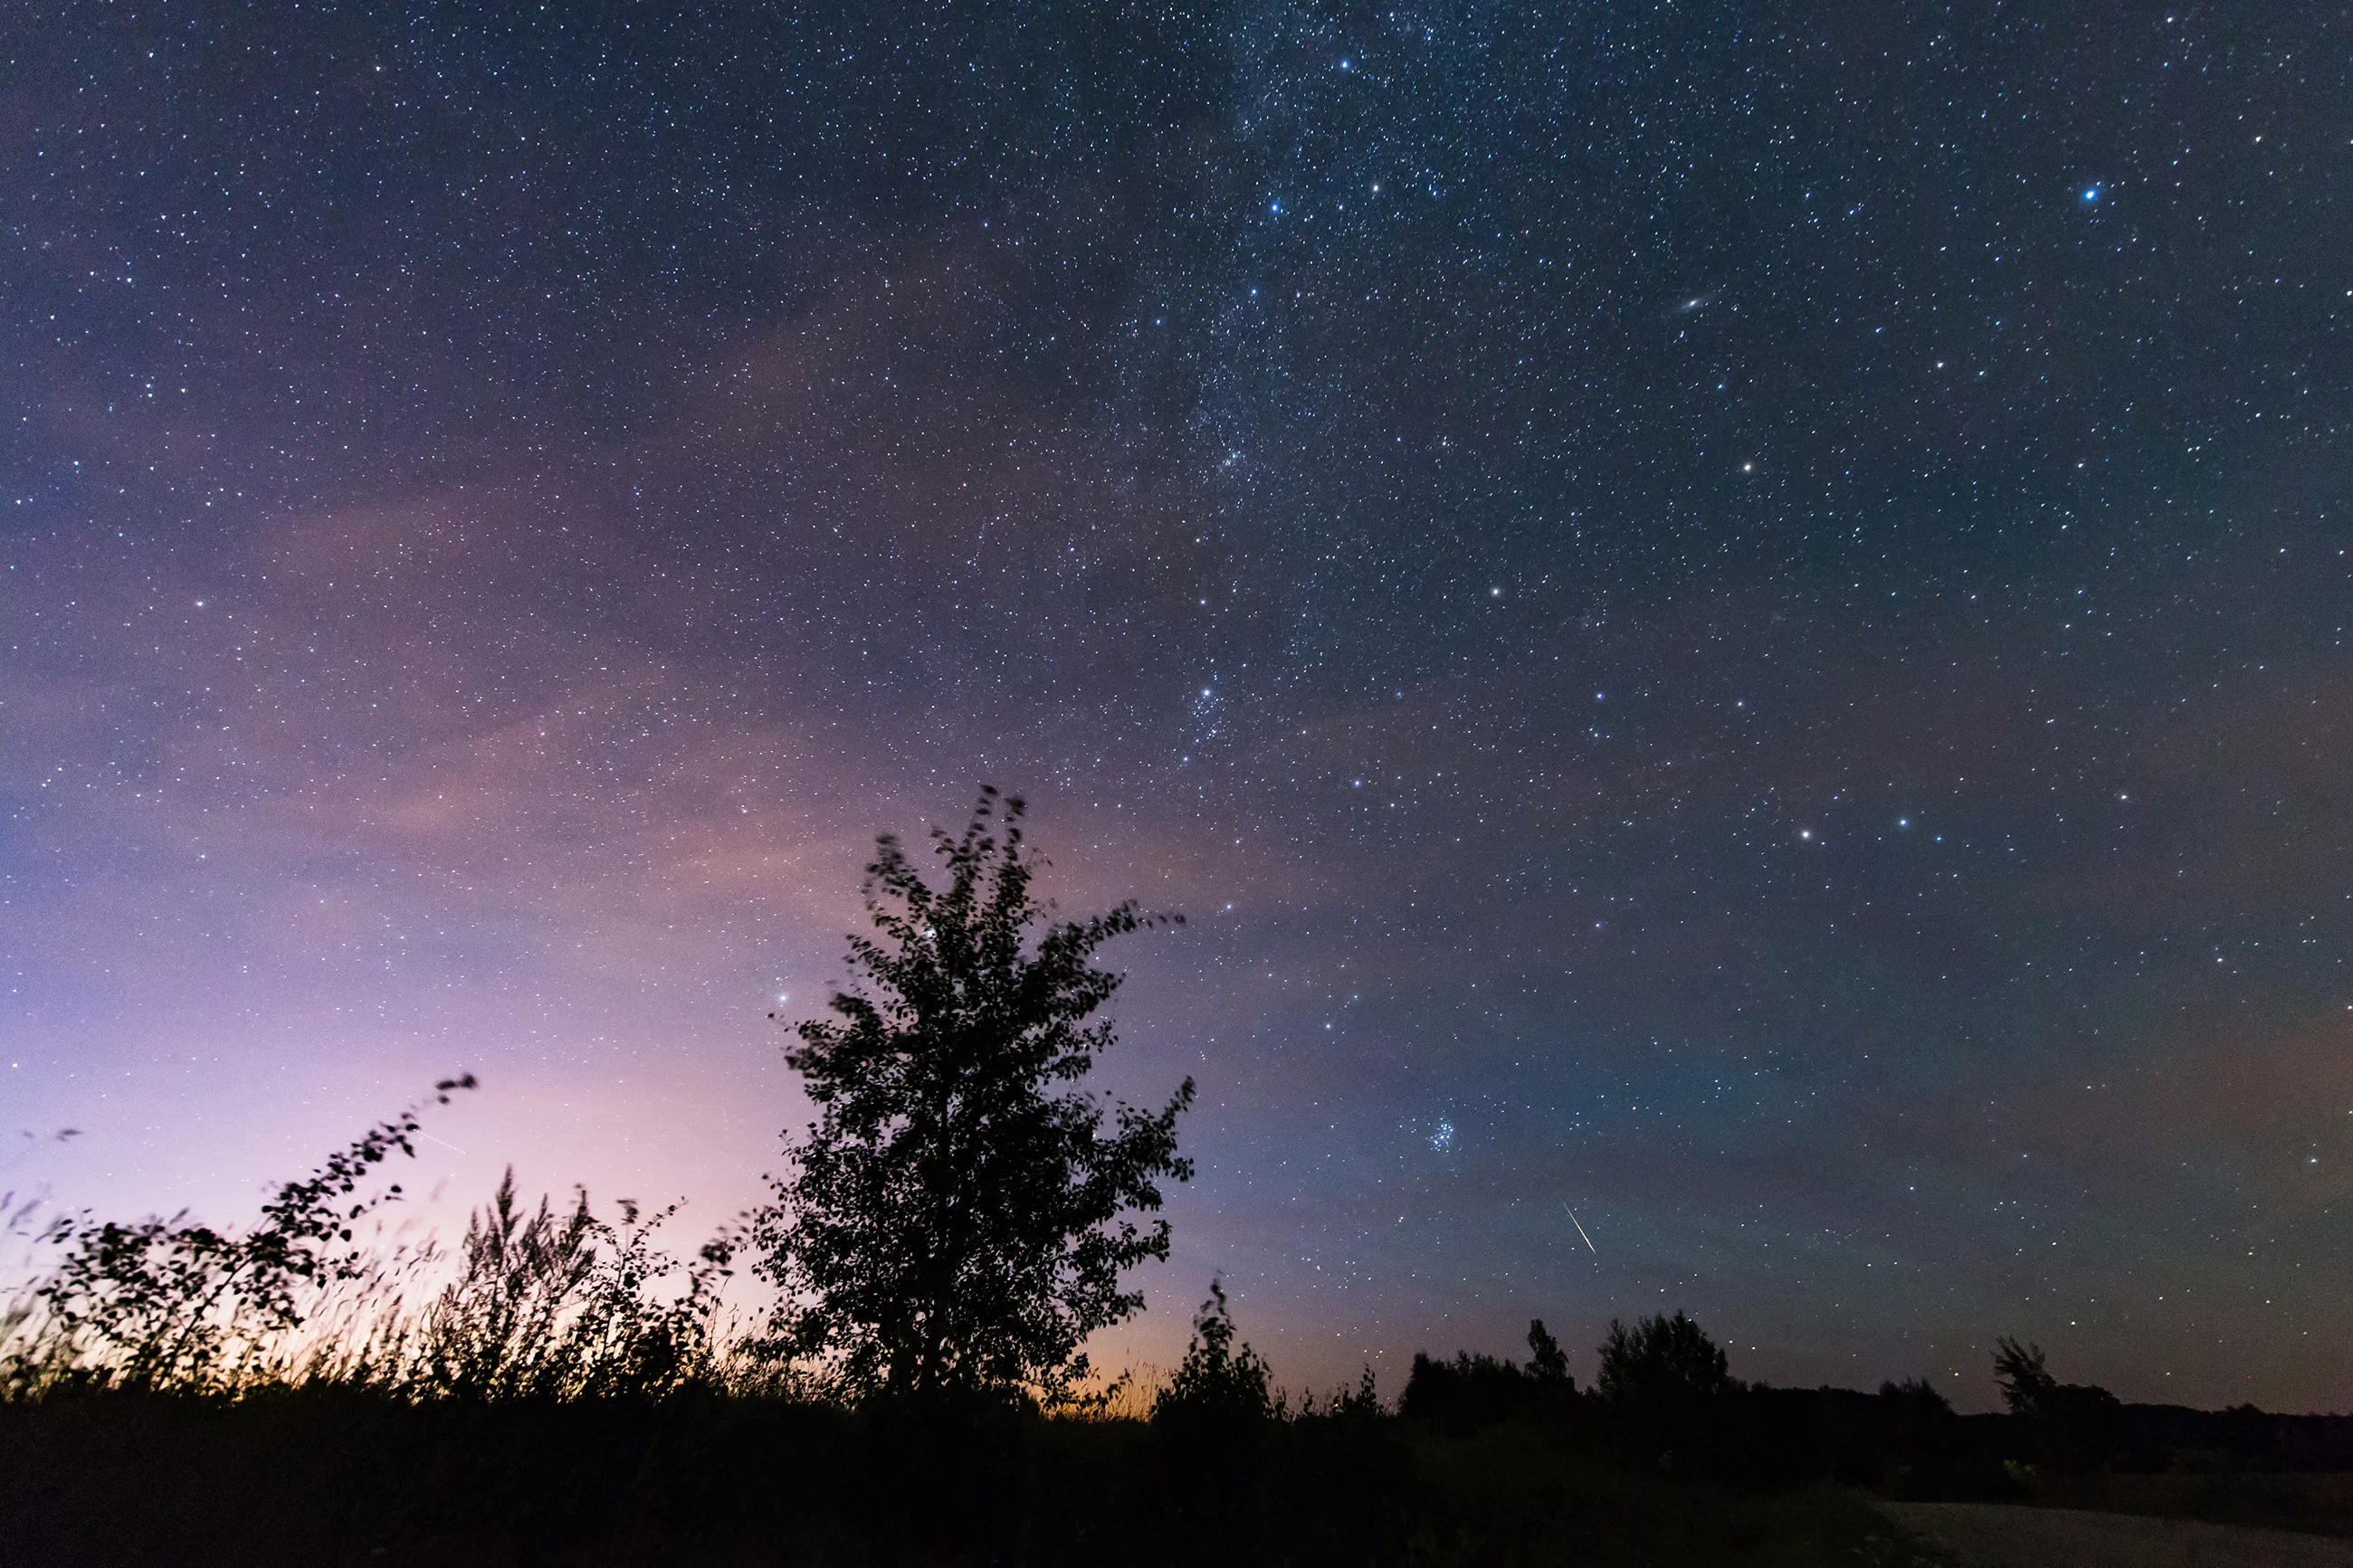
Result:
<point x="169" y="1306"/>
<point x="1217" y="1384"/>
<point x="551" y="1305"/>
<point x="2071" y="1427"/>
<point x="952" y="1224"/>
<point x="1211" y="1419"/>
<point x="1361" y="1402"/>
<point x="561" y="1305"/>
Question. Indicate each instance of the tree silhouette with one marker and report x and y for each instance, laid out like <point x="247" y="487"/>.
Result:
<point x="2074" y="1427"/>
<point x="1548" y="1362"/>
<point x="2023" y="1375"/>
<point x="1660" y="1358"/>
<point x="959" y="1215"/>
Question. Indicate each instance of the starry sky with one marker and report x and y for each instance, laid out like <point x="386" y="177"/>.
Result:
<point x="1729" y="618"/>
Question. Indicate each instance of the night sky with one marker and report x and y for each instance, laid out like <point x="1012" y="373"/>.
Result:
<point x="1727" y="616"/>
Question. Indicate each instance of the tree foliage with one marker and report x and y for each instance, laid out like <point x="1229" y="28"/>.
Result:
<point x="1474" y="1390"/>
<point x="1548" y="1362"/>
<point x="2023" y="1374"/>
<point x="1660" y="1360"/>
<point x="958" y="1216"/>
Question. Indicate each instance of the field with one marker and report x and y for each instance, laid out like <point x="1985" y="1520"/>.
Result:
<point x="2006" y="1535"/>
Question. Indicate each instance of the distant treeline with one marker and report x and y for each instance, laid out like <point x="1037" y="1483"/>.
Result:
<point x="1666" y="1398"/>
<point x="1479" y="1462"/>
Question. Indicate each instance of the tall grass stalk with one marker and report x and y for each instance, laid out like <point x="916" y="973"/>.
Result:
<point x="542" y="1303"/>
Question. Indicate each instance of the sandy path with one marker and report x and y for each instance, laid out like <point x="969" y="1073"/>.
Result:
<point x="2001" y="1535"/>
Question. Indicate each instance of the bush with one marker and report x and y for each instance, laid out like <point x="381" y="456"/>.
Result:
<point x="165" y="1305"/>
<point x="551" y="1304"/>
<point x="1216" y="1383"/>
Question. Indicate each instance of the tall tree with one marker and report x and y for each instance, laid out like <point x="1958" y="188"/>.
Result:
<point x="958" y="1216"/>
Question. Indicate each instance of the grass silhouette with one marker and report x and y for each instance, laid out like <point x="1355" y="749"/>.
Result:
<point x="557" y="1388"/>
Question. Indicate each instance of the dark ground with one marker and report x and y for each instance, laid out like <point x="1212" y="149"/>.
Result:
<point x="1487" y="1466"/>
<point x="319" y="1479"/>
